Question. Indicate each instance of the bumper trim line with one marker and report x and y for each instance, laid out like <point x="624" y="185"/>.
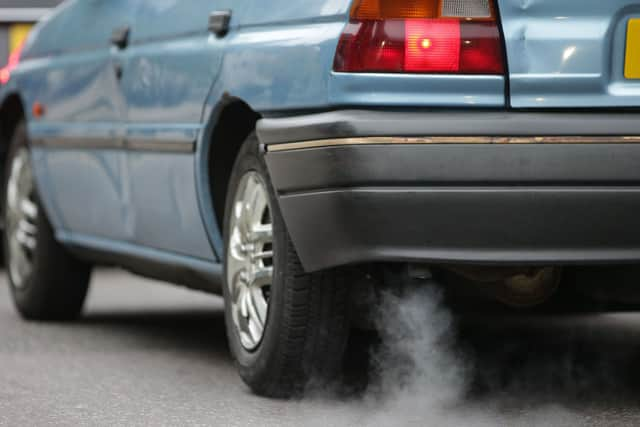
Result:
<point x="340" y="124"/>
<point x="338" y="142"/>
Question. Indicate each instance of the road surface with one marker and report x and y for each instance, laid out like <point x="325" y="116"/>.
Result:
<point x="150" y="354"/>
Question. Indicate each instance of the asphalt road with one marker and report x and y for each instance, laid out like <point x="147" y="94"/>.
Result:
<point x="150" y="354"/>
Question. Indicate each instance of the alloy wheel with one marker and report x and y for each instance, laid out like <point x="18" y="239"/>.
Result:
<point x="250" y="259"/>
<point x="21" y="218"/>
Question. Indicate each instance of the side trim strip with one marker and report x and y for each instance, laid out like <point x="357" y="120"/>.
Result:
<point x="131" y="144"/>
<point x="74" y="142"/>
<point x="446" y="123"/>
<point x="455" y="140"/>
<point x="160" y="145"/>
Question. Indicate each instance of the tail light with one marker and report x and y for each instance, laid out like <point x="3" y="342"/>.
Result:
<point x="421" y="36"/>
<point x="14" y="60"/>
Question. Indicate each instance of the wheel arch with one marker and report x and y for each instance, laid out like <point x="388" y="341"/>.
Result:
<point x="12" y="111"/>
<point x="228" y="124"/>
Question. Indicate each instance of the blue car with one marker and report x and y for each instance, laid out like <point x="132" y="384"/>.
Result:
<point x="294" y="155"/>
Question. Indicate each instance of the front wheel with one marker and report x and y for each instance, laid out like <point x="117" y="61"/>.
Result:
<point x="47" y="282"/>
<point x="285" y="327"/>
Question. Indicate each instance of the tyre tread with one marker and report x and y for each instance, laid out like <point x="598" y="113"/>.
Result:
<point x="58" y="285"/>
<point x="313" y="325"/>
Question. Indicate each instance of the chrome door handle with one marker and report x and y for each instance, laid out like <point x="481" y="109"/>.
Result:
<point x="118" y="70"/>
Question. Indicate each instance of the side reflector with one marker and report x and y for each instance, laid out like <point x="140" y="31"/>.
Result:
<point x="38" y="110"/>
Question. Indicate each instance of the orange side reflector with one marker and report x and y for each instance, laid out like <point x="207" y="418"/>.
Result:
<point x="38" y="110"/>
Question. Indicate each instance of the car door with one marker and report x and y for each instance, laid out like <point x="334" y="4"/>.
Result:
<point x="572" y="53"/>
<point x="169" y="66"/>
<point x="81" y="165"/>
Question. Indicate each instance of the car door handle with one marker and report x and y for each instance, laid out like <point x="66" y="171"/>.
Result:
<point x="120" y="37"/>
<point x="219" y="22"/>
<point x="118" y="70"/>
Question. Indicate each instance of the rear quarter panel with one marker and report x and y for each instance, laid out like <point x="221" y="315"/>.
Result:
<point x="278" y="58"/>
<point x="569" y="53"/>
<point x="280" y="55"/>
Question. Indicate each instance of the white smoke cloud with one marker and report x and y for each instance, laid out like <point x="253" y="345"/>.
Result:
<point x="417" y="357"/>
<point x="421" y="377"/>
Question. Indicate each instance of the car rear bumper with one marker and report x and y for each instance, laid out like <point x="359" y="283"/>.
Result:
<point x="489" y="187"/>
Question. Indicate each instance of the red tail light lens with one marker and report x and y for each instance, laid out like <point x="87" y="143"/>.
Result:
<point x="440" y="42"/>
<point x="432" y="45"/>
<point x="14" y="60"/>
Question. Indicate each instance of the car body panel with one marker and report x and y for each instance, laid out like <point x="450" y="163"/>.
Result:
<point x="258" y="70"/>
<point x="82" y="104"/>
<point x="417" y="90"/>
<point x="166" y="204"/>
<point x="168" y="69"/>
<point x="88" y="191"/>
<point x="568" y="54"/>
<point x="74" y="27"/>
<point x="157" y="264"/>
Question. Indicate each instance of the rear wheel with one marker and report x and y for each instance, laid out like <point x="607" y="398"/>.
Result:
<point x="285" y="327"/>
<point x="47" y="282"/>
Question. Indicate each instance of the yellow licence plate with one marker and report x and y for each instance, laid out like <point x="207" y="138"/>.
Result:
<point x="632" y="57"/>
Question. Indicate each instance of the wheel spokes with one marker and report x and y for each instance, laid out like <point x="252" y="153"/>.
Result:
<point x="261" y="234"/>
<point x="250" y="259"/>
<point x="262" y="255"/>
<point x="262" y="277"/>
<point x="257" y="307"/>
<point x="29" y="209"/>
<point x="26" y="235"/>
<point x="21" y="218"/>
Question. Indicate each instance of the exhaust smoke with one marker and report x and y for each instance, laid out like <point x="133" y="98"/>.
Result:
<point x="422" y="375"/>
<point x="417" y="356"/>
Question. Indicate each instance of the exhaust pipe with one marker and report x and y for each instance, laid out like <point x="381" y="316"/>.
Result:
<point x="515" y="287"/>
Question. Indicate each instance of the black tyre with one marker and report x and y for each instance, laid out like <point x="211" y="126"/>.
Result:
<point x="285" y="327"/>
<point x="47" y="282"/>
